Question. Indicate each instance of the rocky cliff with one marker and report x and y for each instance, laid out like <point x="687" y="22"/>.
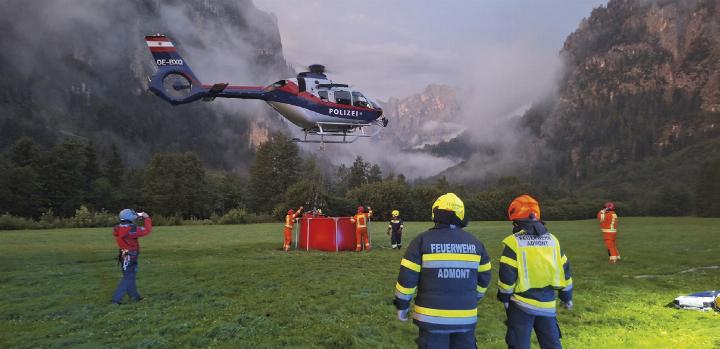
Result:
<point x="80" y="68"/>
<point x="425" y="118"/>
<point x="641" y="79"/>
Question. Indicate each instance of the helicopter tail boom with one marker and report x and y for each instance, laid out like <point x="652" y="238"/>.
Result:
<point x="176" y="83"/>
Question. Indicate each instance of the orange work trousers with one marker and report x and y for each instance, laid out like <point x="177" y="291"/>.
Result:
<point x="360" y="235"/>
<point x="610" y="244"/>
<point x="288" y="238"/>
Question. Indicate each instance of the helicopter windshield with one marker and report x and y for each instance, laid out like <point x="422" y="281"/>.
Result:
<point x="278" y="84"/>
<point x="359" y="100"/>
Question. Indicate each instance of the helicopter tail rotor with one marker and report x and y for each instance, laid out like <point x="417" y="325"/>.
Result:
<point x="174" y="81"/>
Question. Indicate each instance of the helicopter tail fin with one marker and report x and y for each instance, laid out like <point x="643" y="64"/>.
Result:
<point x="174" y="81"/>
<point x="166" y="56"/>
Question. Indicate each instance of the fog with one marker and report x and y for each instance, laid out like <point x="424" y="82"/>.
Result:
<point x="500" y="57"/>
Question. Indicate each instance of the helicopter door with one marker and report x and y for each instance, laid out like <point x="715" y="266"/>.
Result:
<point x="343" y="97"/>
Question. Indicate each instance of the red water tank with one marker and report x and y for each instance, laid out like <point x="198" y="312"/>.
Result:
<point x="325" y="234"/>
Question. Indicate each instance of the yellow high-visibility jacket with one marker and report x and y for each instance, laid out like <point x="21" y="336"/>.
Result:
<point x="533" y="267"/>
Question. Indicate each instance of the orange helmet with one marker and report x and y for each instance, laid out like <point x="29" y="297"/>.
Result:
<point x="291" y="211"/>
<point x="609" y="206"/>
<point x="522" y="207"/>
<point x="361" y="209"/>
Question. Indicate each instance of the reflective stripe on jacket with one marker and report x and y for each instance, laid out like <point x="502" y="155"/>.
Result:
<point x="361" y="219"/>
<point x="608" y="221"/>
<point x="447" y="270"/>
<point x="532" y="267"/>
<point x="290" y="220"/>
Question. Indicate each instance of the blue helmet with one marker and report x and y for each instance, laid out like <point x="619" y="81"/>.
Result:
<point x="128" y="215"/>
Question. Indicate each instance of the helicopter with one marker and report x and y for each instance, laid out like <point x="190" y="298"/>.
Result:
<point x="327" y="112"/>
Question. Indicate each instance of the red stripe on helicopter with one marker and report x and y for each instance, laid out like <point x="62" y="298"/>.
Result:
<point x="157" y="38"/>
<point x="237" y="87"/>
<point x="162" y="49"/>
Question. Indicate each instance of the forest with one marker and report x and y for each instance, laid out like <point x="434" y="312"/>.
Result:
<point x="78" y="184"/>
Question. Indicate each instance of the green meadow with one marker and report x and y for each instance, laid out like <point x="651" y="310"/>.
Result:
<point x="232" y="287"/>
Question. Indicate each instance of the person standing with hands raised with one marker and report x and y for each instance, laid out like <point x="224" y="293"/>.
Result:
<point x="126" y="235"/>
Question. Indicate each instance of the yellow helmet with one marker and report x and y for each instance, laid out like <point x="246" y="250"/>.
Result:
<point x="450" y="202"/>
<point x="395" y="213"/>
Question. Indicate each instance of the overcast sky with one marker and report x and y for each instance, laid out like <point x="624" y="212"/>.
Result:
<point x="395" y="48"/>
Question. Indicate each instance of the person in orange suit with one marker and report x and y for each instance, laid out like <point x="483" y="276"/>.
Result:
<point x="289" y="223"/>
<point x="361" y="220"/>
<point x="608" y="225"/>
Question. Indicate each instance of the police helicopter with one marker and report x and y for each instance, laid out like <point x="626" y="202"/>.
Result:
<point x="326" y="111"/>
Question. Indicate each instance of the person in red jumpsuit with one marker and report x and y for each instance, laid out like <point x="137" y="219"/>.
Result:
<point x="361" y="220"/>
<point x="126" y="235"/>
<point x="608" y="225"/>
<point x="289" y="223"/>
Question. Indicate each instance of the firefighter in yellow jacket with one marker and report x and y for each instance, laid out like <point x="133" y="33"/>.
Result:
<point x="361" y="220"/>
<point x="533" y="267"/>
<point x="608" y="226"/>
<point x="289" y="223"/>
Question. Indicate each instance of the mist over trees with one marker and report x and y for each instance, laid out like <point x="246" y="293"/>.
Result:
<point x="83" y="184"/>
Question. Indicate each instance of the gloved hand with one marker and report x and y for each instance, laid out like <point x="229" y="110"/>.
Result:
<point x="143" y="215"/>
<point x="568" y="305"/>
<point x="506" y="305"/>
<point x="403" y="314"/>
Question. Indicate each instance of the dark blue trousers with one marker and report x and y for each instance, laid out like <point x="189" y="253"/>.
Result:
<point x="439" y="340"/>
<point x="127" y="284"/>
<point x="396" y="238"/>
<point x="521" y="325"/>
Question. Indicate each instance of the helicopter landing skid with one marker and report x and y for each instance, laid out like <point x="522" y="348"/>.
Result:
<point x="327" y="132"/>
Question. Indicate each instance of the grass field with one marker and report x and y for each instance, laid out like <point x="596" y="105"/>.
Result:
<point x="231" y="287"/>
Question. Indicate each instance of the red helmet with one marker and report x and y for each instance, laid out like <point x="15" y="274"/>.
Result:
<point x="361" y="209"/>
<point x="291" y="211"/>
<point x="609" y="206"/>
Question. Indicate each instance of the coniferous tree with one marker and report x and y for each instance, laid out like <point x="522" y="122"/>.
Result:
<point x="21" y="186"/>
<point x="176" y="184"/>
<point x="91" y="169"/>
<point x="114" y="168"/>
<point x="341" y="180"/>
<point x="64" y="178"/>
<point x="358" y="173"/>
<point x="25" y="152"/>
<point x="708" y="190"/>
<point x="274" y="170"/>
<point x="374" y="174"/>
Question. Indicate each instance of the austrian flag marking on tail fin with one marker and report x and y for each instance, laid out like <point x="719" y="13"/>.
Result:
<point x="159" y="44"/>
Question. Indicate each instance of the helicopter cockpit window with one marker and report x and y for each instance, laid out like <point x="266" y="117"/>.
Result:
<point x="278" y="84"/>
<point x="323" y="95"/>
<point x="342" y="97"/>
<point x="359" y="100"/>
